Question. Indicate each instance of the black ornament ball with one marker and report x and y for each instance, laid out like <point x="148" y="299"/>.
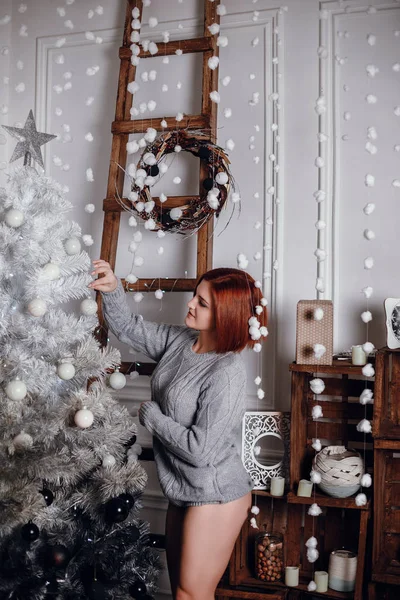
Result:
<point x="138" y="590"/>
<point x="156" y="540"/>
<point x="204" y="153"/>
<point x="47" y="495"/>
<point x="58" y="556"/>
<point x="30" y="532"/>
<point x="134" y="533"/>
<point x="208" y="184"/>
<point x="116" y="510"/>
<point x="131" y="441"/>
<point x="128" y="500"/>
<point x="96" y="591"/>
<point x="154" y="170"/>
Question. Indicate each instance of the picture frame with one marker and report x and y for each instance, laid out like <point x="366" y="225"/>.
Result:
<point x="392" y="312"/>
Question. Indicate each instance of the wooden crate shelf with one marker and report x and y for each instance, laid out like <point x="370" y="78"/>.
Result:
<point x="323" y="500"/>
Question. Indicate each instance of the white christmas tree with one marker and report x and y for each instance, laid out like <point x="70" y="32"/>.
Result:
<point x="70" y="479"/>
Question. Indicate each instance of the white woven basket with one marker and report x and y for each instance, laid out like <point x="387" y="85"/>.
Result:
<point x="341" y="471"/>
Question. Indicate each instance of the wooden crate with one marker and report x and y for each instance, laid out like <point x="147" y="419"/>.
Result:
<point x="386" y="547"/>
<point x="341" y="409"/>
<point x="386" y="423"/>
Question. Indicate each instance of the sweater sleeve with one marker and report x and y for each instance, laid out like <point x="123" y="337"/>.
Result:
<point x="220" y="409"/>
<point x="152" y="339"/>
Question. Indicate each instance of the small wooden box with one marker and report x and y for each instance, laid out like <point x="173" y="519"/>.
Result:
<point x="309" y="331"/>
<point x="386" y="423"/>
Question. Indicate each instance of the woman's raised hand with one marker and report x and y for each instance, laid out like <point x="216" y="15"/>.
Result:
<point x="109" y="282"/>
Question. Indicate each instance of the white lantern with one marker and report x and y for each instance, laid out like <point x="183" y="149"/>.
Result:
<point x="72" y="246"/>
<point x="84" y="418"/>
<point x="14" y="217"/>
<point x="16" y="389"/>
<point x="117" y="380"/>
<point x="88" y="307"/>
<point x="37" y="307"/>
<point x="66" y="371"/>
<point x="51" y="271"/>
<point x="109" y="460"/>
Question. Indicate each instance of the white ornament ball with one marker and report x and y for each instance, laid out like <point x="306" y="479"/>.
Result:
<point x="72" y="246"/>
<point x="66" y="371"/>
<point x="14" y="217"/>
<point x="84" y="418"/>
<point x="222" y="178"/>
<point x="109" y="460"/>
<point x="16" y="389"/>
<point x="88" y="307"/>
<point x="22" y="441"/>
<point x="159" y="294"/>
<point x="51" y="271"/>
<point x="37" y="307"/>
<point x="117" y="380"/>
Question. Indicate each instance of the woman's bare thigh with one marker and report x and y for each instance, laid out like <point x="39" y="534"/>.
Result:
<point x="173" y="542"/>
<point x="208" y="538"/>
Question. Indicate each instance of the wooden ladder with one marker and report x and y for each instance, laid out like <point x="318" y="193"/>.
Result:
<point x="123" y="126"/>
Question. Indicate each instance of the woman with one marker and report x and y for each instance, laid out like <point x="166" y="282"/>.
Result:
<point x="195" y="416"/>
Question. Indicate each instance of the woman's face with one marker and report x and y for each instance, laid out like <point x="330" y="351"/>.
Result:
<point x="201" y="309"/>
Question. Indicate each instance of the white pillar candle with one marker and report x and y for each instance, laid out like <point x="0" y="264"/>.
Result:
<point x="321" y="580"/>
<point x="292" y="576"/>
<point x="305" y="488"/>
<point x="277" y="486"/>
<point x="358" y="356"/>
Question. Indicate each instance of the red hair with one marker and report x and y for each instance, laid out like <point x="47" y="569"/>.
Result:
<point x="235" y="297"/>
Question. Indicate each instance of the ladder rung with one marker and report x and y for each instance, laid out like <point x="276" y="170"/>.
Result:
<point x="166" y="284"/>
<point x="202" y="44"/>
<point x="140" y="125"/>
<point x="111" y="204"/>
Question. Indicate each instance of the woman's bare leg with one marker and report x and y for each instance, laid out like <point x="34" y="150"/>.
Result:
<point x="208" y="538"/>
<point x="173" y="543"/>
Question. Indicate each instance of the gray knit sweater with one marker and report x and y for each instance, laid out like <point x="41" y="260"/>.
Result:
<point x="196" y="411"/>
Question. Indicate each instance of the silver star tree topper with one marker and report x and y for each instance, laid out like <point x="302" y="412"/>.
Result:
<point x="29" y="141"/>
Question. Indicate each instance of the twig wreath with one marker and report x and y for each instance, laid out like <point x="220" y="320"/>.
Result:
<point x="151" y="165"/>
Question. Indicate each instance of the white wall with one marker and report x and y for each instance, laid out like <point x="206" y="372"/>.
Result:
<point x="290" y="233"/>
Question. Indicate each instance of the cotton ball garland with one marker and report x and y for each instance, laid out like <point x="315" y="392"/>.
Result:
<point x="138" y="261"/>
<point x="222" y="41"/>
<point x="230" y="144"/>
<point x="364" y="426"/>
<point x="318" y="314"/>
<point x="87" y="240"/>
<point x="361" y="499"/>
<point x="117" y="380"/>
<point x="317" y="412"/>
<point x="226" y="80"/>
<point x="255" y="510"/>
<point x="253" y="523"/>
<point x="153" y="22"/>
<point x="213" y="62"/>
<point x="257" y="347"/>
<point x="366" y="480"/>
<point x="90" y="208"/>
<point x="366" y="396"/>
<point x="368" y="291"/>
<point x="311" y="542"/>
<point x="159" y="294"/>
<point x="84" y="418"/>
<point x="22" y="441"/>
<point x="368" y="370"/>
<point x="260" y="394"/>
<point x="317" y="445"/>
<point x="242" y="261"/>
<point x="368" y="347"/>
<point x="369" y="235"/>
<point x="366" y="316"/>
<point x="89" y="175"/>
<point x="369" y="180"/>
<point x="312" y="555"/>
<point x="315" y="477"/>
<point x="222" y="178"/>
<point x="312" y="586"/>
<point x="131" y="278"/>
<point x="319" y="350"/>
<point x="317" y="385"/>
<point x="368" y="262"/>
<point x="214" y="28"/>
<point x="215" y="97"/>
<point x="314" y="510"/>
